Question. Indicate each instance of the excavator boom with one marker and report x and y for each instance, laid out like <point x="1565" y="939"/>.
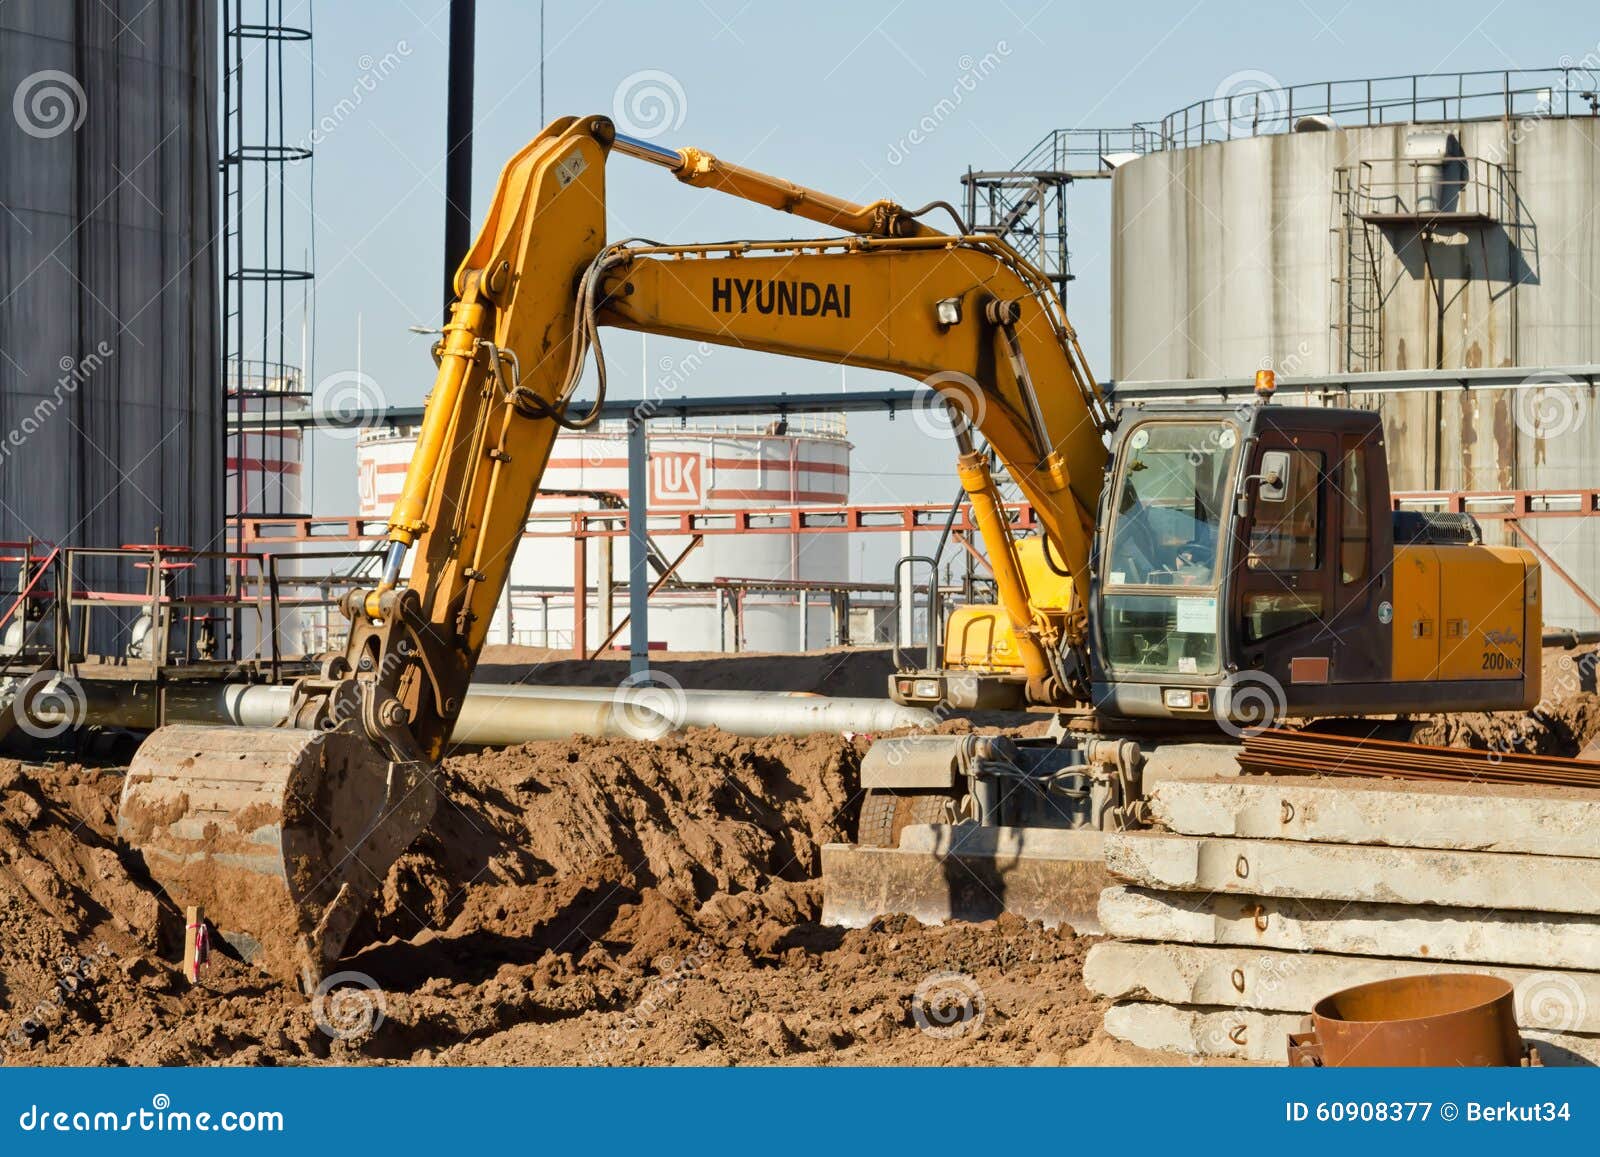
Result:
<point x="285" y="833"/>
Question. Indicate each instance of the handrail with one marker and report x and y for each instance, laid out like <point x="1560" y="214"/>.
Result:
<point x="1422" y="97"/>
<point x="45" y="566"/>
<point x="1261" y="107"/>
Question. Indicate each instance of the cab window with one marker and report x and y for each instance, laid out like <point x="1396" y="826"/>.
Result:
<point x="1354" y="538"/>
<point x="1286" y="538"/>
<point x="1286" y="533"/>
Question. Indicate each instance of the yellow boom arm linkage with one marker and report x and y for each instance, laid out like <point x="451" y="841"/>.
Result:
<point x="963" y="313"/>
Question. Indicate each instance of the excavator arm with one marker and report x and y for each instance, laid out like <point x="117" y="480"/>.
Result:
<point x="285" y="833"/>
<point x="958" y="313"/>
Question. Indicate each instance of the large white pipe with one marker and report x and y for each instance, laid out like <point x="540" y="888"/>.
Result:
<point x="748" y="712"/>
<point x="501" y="714"/>
<point x="489" y="716"/>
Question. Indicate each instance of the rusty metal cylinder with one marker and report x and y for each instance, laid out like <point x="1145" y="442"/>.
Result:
<point x="1444" y="1019"/>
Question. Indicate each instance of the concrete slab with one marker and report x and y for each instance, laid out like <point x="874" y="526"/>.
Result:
<point x="926" y="879"/>
<point x="1425" y="933"/>
<point x="1383" y="812"/>
<point x="1183" y="761"/>
<point x="1247" y="1035"/>
<point x="1241" y="1034"/>
<point x="1276" y="981"/>
<point x="1355" y="873"/>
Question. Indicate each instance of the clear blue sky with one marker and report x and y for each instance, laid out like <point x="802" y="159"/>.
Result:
<point x="823" y="92"/>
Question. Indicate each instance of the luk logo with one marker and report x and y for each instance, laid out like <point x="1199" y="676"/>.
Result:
<point x="675" y="478"/>
<point x="367" y="485"/>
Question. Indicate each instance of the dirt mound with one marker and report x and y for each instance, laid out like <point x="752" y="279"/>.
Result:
<point x="1555" y="727"/>
<point x="896" y="993"/>
<point x="585" y="902"/>
<point x="557" y="838"/>
<point x="73" y="922"/>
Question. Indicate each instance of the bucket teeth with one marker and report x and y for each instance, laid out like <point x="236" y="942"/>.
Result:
<point x="282" y="834"/>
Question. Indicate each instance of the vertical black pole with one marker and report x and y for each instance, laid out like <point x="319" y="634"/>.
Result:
<point x="458" y="145"/>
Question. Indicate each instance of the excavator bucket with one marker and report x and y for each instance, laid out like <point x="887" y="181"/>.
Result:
<point x="282" y="834"/>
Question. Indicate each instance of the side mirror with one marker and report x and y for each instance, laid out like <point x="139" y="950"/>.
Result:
<point x="1274" y="475"/>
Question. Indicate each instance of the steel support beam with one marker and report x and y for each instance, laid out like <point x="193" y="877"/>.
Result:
<point x="725" y="406"/>
<point x="638" y="547"/>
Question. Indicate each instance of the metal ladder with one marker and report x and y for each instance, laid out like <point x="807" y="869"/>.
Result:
<point x="1359" y="308"/>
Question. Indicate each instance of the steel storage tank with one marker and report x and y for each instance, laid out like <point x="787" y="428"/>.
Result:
<point x="701" y="466"/>
<point x="1389" y="249"/>
<point x="110" y="405"/>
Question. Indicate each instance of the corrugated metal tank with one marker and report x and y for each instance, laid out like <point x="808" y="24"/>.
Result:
<point x="110" y="405"/>
<point x="1230" y="254"/>
<point x="1295" y="252"/>
<point x="708" y="466"/>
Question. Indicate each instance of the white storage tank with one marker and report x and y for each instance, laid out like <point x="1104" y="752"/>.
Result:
<point x="706" y="465"/>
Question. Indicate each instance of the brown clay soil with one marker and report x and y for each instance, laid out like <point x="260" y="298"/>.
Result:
<point x="578" y="902"/>
<point x="1565" y="720"/>
<point x="590" y="902"/>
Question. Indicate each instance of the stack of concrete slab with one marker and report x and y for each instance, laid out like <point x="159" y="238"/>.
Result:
<point x="1254" y="897"/>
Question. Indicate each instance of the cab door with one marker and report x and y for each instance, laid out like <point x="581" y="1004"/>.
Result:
<point x="1362" y="563"/>
<point x="1314" y="586"/>
<point x="1285" y="592"/>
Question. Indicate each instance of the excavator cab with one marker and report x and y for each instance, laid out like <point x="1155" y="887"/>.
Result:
<point x="1248" y="567"/>
<point x="1247" y="570"/>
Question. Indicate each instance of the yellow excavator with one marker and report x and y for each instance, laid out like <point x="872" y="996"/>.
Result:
<point x="1188" y="558"/>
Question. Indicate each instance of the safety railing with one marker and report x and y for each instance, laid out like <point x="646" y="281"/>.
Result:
<point x="1411" y="187"/>
<point x="1259" y="106"/>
